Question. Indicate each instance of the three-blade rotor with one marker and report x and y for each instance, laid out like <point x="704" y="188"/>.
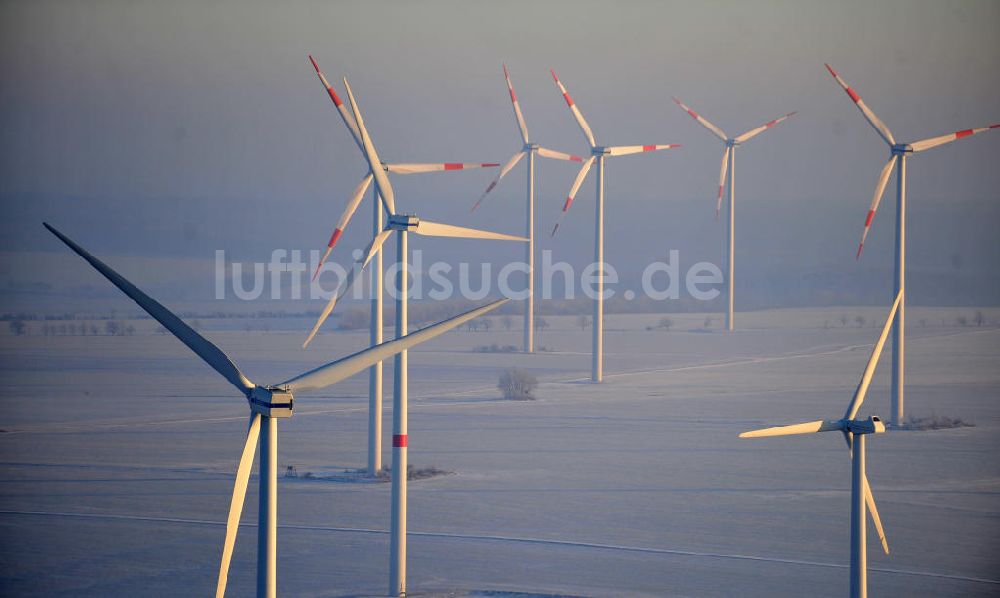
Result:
<point x="409" y="224"/>
<point x="595" y="150"/>
<point x="898" y="150"/>
<point x="528" y="146"/>
<point x="731" y="144"/>
<point x="849" y="424"/>
<point x="315" y="379"/>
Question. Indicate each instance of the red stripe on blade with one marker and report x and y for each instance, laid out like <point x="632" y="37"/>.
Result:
<point x="965" y="133"/>
<point x="853" y="95"/>
<point x="399" y="441"/>
<point x="576" y="158"/>
<point x="566" y="205"/>
<point x="869" y="217"/>
<point x="333" y="96"/>
<point x="569" y="100"/>
<point x="490" y="164"/>
<point x="333" y="238"/>
<point x="513" y="96"/>
<point x="315" y="66"/>
<point x="453" y="166"/>
<point x="648" y="148"/>
<point x="693" y="114"/>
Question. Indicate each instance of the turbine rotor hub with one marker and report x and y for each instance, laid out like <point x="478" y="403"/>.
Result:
<point x="530" y="146"/>
<point x="902" y="148"/>
<point x="600" y="150"/>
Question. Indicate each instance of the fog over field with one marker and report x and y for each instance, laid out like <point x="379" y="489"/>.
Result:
<point x="190" y="146"/>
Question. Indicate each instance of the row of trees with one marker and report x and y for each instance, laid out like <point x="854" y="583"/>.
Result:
<point x="109" y="328"/>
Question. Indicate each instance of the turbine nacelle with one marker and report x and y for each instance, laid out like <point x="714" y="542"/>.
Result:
<point x="599" y="150"/>
<point x="530" y="146"/>
<point x="872" y="425"/>
<point x="402" y="222"/>
<point x="271" y="401"/>
<point x="899" y="149"/>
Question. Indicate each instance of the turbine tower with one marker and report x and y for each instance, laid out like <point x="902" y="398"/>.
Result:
<point x="402" y="225"/>
<point x="528" y="150"/>
<point x="729" y="163"/>
<point x="597" y="153"/>
<point x="267" y="405"/>
<point x="375" y="325"/>
<point x="854" y="431"/>
<point x="897" y="157"/>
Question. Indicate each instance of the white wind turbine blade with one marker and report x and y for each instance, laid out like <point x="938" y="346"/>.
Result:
<point x="803" y="428"/>
<point x="876" y="520"/>
<point x="703" y="121"/>
<point x="883" y="180"/>
<point x="548" y="153"/>
<point x="576" y="111"/>
<point x="866" y="377"/>
<point x="360" y="265"/>
<point x="436" y="229"/>
<point x="572" y="191"/>
<point x="201" y="346"/>
<point x="352" y="206"/>
<point x="517" y="107"/>
<point x="437" y="167"/>
<point x="722" y="180"/>
<point x="624" y="150"/>
<point x="341" y="369"/>
<point x="506" y="168"/>
<point x="754" y="132"/>
<point x="236" y="504"/>
<point x="344" y="114"/>
<point x="374" y="163"/>
<point x="927" y="144"/>
<point x="873" y="120"/>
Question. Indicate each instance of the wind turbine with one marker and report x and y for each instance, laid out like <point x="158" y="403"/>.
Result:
<point x="402" y="225"/>
<point x="854" y="431"/>
<point x="598" y="153"/>
<point x="267" y="405"/>
<point x="729" y="163"/>
<point x="528" y="150"/>
<point x="897" y="158"/>
<point x="375" y="325"/>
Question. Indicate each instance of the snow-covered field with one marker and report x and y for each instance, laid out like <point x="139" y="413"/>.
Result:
<point x="117" y="457"/>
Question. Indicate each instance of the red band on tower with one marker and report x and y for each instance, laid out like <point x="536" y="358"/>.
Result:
<point x="399" y="441"/>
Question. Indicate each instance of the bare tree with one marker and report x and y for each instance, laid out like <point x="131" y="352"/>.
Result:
<point x="859" y="320"/>
<point x="17" y="327"/>
<point x="582" y="321"/>
<point x="507" y="322"/>
<point x="708" y="322"/>
<point x="666" y="323"/>
<point x="517" y="384"/>
<point x="487" y="323"/>
<point x="541" y="324"/>
<point x="843" y="319"/>
<point x="979" y="319"/>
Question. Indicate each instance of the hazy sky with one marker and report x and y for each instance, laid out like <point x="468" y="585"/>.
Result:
<point x="174" y="129"/>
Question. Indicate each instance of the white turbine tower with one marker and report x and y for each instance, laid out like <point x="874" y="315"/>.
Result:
<point x="598" y="153"/>
<point x="854" y="431"/>
<point x="528" y="150"/>
<point x="897" y="158"/>
<point x="402" y="225"/>
<point x="375" y="325"/>
<point x="267" y="405"/>
<point x="729" y="164"/>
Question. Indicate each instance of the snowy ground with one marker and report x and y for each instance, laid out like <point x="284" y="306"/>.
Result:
<point x="117" y="457"/>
